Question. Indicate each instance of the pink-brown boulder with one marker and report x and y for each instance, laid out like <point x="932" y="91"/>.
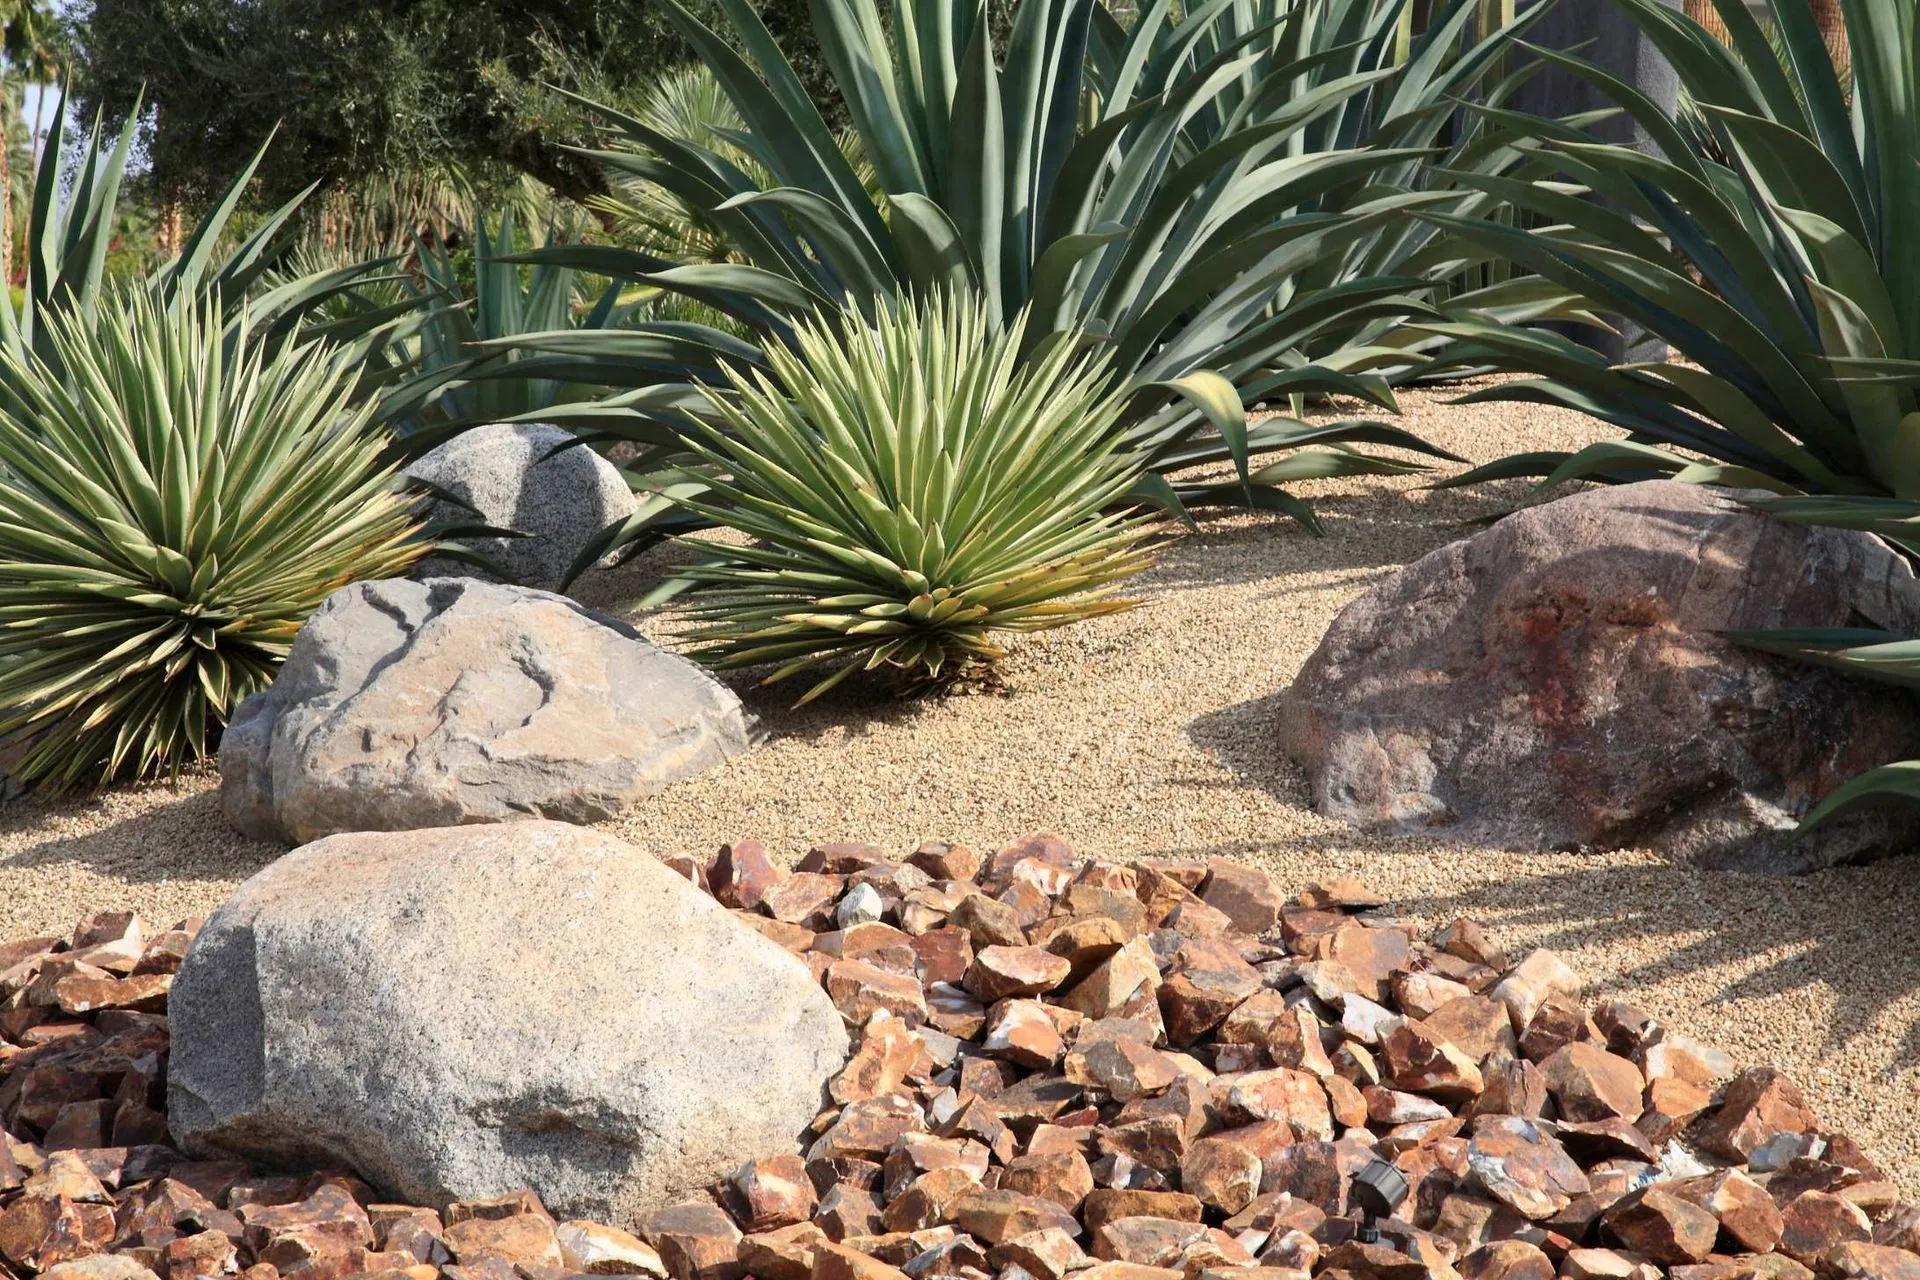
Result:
<point x="1564" y="680"/>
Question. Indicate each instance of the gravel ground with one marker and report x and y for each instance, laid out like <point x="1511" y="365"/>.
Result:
<point x="1151" y="733"/>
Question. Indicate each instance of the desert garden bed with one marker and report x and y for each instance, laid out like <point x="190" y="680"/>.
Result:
<point x="1062" y="1066"/>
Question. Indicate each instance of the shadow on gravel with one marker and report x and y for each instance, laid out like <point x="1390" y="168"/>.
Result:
<point x="1245" y="739"/>
<point x="1850" y="930"/>
<point x="183" y="840"/>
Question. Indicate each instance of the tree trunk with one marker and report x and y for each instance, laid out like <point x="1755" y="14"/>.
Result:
<point x="6" y="190"/>
<point x="1833" y="25"/>
<point x="1703" y="12"/>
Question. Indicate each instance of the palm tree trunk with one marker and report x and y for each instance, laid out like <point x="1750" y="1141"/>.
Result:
<point x="6" y="189"/>
<point x="1833" y="25"/>
<point x="1703" y="12"/>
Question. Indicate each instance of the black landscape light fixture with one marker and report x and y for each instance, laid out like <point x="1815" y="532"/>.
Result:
<point x="1378" y="1190"/>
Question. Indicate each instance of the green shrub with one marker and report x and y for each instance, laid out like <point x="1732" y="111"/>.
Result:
<point x="1220" y="197"/>
<point x="177" y="494"/>
<point x="911" y="489"/>
<point x="1765" y="242"/>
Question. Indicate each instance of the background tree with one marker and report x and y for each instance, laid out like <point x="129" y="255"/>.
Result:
<point x="372" y="88"/>
<point x="31" y="48"/>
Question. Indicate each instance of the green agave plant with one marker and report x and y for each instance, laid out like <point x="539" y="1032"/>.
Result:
<point x="1764" y="245"/>
<point x="177" y="494"/>
<point x="1220" y="199"/>
<point x="68" y="241"/>
<point x="445" y="368"/>
<point x="911" y="489"/>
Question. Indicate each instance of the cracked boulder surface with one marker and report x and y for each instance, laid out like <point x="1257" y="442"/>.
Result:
<point x="1565" y="681"/>
<point x="409" y="704"/>
<point x="454" y="1012"/>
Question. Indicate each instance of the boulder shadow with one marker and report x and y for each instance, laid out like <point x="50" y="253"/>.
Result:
<point x="1245" y="739"/>
<point x="185" y="838"/>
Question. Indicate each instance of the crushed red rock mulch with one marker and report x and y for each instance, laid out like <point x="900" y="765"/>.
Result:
<point x="1157" y="1070"/>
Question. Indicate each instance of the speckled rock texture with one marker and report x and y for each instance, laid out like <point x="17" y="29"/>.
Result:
<point x="1561" y="681"/>
<point x="427" y="704"/>
<point x="463" y="1012"/>
<point x="504" y="473"/>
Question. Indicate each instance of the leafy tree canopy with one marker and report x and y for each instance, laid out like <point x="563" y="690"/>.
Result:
<point x="365" y="88"/>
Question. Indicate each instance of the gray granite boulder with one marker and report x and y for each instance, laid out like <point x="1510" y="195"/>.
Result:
<point x="463" y="1012"/>
<point x="511" y="478"/>
<point x="428" y="704"/>
<point x="1562" y="680"/>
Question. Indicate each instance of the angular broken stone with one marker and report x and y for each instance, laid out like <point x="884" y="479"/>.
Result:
<point x="803" y="898"/>
<point x="1295" y="1097"/>
<point x="1659" y="1225"/>
<point x="1024" y="1032"/>
<point x="1060" y="1176"/>
<point x="1245" y="895"/>
<point x="1589" y="1083"/>
<point x="860" y="989"/>
<point x="994" y="1215"/>
<point x="1760" y="1104"/>
<point x="523" y="1240"/>
<point x="1002" y="972"/>
<point x="1744" y="1210"/>
<point x="1126" y="1068"/>
<point x="695" y="1240"/>
<point x="742" y="875"/>
<point x="591" y="1248"/>
<point x="1419" y="1059"/>
<point x="1818" y="1222"/>
<point x="1221" y="1173"/>
<point x="1540" y="977"/>
<point x="774" y="1192"/>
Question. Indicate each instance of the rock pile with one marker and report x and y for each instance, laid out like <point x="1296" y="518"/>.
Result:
<point x="1063" y="1068"/>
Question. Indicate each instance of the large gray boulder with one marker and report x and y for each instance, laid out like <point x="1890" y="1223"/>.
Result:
<point x="429" y="704"/>
<point x="511" y="478"/>
<point x="1562" y="681"/>
<point x="463" y="1012"/>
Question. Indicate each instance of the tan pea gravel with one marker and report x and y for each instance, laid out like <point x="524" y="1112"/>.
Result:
<point x="1151" y="733"/>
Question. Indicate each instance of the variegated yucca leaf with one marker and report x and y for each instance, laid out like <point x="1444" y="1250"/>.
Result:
<point x="177" y="494"/>
<point x="911" y="488"/>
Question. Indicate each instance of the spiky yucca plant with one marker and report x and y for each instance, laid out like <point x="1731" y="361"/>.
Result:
<point x="911" y="488"/>
<point x="176" y="496"/>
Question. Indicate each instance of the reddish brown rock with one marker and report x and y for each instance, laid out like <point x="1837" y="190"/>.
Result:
<point x="1663" y="1227"/>
<point x="860" y="989"/>
<point x="1818" y="1222"/>
<point x="1872" y="1262"/>
<point x="1421" y="1060"/>
<point x="1245" y="895"/>
<point x="1589" y="1083"/>
<point x="742" y="874"/>
<point x="1108" y="1204"/>
<point x="774" y="1192"/>
<point x="523" y="1240"/>
<point x="1760" y="1104"/>
<point x="1061" y="1176"/>
<point x="945" y="860"/>
<point x="1284" y="1094"/>
<point x="786" y="1254"/>
<point x="1150" y="1242"/>
<point x="1221" y="1173"/>
<point x="695" y="1240"/>
<point x="803" y="898"/>
<point x="1747" y="1215"/>
<point x="995" y="1215"/>
<point x="1001" y="972"/>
